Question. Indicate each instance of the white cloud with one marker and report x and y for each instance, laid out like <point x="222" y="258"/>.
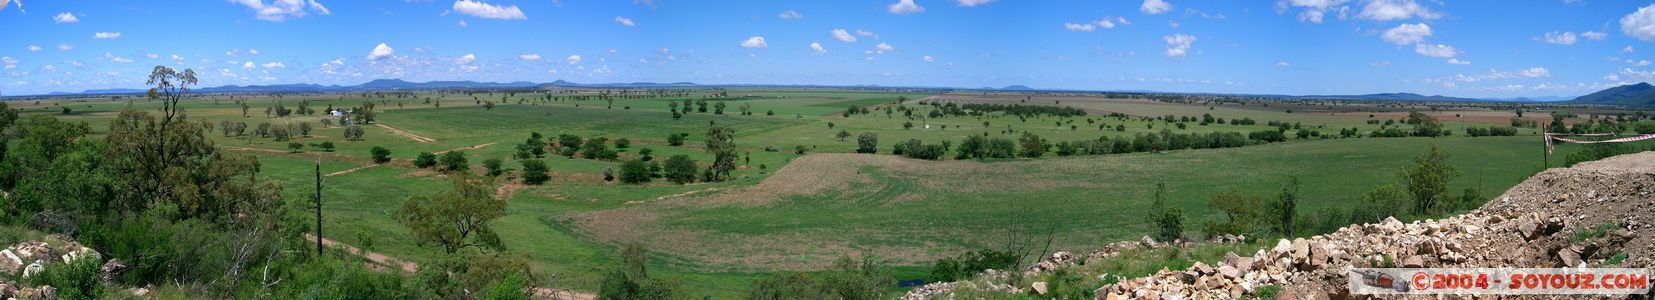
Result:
<point x="573" y="59"/>
<point x="529" y="56"/>
<point x="152" y="56"/>
<point x="106" y="35"/>
<point x="1178" y="45"/>
<point x="927" y="58"/>
<point x="33" y="48"/>
<point x="1640" y="24"/>
<point x="1612" y="77"/>
<point x="248" y="65"/>
<point x="1387" y="10"/>
<point x="883" y="47"/>
<point x="1313" y="16"/>
<point x="1534" y="72"/>
<point x="818" y="48"/>
<point x="1456" y="61"/>
<point x="462" y="24"/>
<point x="865" y="33"/>
<point x="9" y="62"/>
<point x="1313" y="10"/>
<point x="1155" y="7"/>
<point x="113" y="58"/>
<point x="253" y="51"/>
<point x="1105" y="23"/>
<point x="1638" y="63"/>
<point x="337" y="62"/>
<point x="1436" y="50"/>
<point x="466" y="59"/>
<point x="970" y="3"/>
<point x="280" y="10"/>
<point x="1087" y="27"/>
<point x="274" y="65"/>
<point x="843" y="36"/>
<point x="754" y="42"/>
<point x="1407" y="34"/>
<point x="1594" y="35"/>
<point x="1628" y="49"/>
<point x="488" y="11"/>
<point x="48" y="68"/>
<point x="625" y="21"/>
<point x="381" y="52"/>
<point x="1563" y="38"/>
<point x="904" y="7"/>
<point x="790" y="15"/>
<point x="1283" y="64"/>
<point x="1381" y="64"/>
<point x="65" y="47"/>
<point x="60" y="18"/>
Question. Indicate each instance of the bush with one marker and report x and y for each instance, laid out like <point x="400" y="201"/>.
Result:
<point x="868" y="142"/>
<point x="680" y="169"/>
<point x="425" y="160"/>
<point x="676" y="139"/>
<point x="295" y="147"/>
<point x="454" y="161"/>
<point x="1169" y="224"/>
<point x="326" y="146"/>
<point x="380" y="154"/>
<point x="493" y="165"/>
<point x="635" y="171"/>
<point x="534" y="171"/>
<point x="75" y="280"/>
<point x="623" y="143"/>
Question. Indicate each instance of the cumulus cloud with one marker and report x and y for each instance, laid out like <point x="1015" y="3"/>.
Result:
<point x="1387" y="10"/>
<point x="1436" y="50"/>
<point x="1560" y="38"/>
<point x="1178" y="45"/>
<point x="1086" y="27"/>
<point x="625" y="21"/>
<point x="883" y="47"/>
<point x="1313" y="11"/>
<point x="843" y="36"/>
<point x="573" y="59"/>
<point x="1456" y="61"/>
<point x="466" y="59"/>
<point x="1640" y="24"/>
<point x="280" y="10"/>
<point x="381" y="52"/>
<point x="529" y="56"/>
<point x="1155" y="7"/>
<point x="33" y="48"/>
<point x="113" y="58"/>
<point x="754" y="42"/>
<point x="927" y="58"/>
<point x="1407" y="34"/>
<point x="866" y="33"/>
<point x="904" y="7"/>
<point x="274" y="65"/>
<point x="9" y="62"/>
<point x="790" y="15"/>
<point x="106" y="35"/>
<point x="1594" y="35"/>
<point x="1283" y="64"/>
<point x="61" y="18"/>
<point x="1534" y="72"/>
<point x="1381" y="64"/>
<point x="248" y="65"/>
<point x="1628" y="49"/>
<point x="818" y="48"/>
<point x="65" y="47"/>
<point x="970" y="3"/>
<point x="489" y="11"/>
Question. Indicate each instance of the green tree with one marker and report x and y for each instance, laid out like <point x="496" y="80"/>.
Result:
<point x="680" y="169"/>
<point x="1169" y="224"/>
<point x="455" y="219"/>
<point x="1427" y="179"/>
<point x="453" y="161"/>
<point x="868" y="142"/>
<point x="623" y="143"/>
<point x="295" y="147"/>
<point x="842" y="135"/>
<point x="534" y="172"/>
<point x="1032" y="145"/>
<point x="635" y="171"/>
<point x="1241" y="213"/>
<point x="676" y="139"/>
<point x="425" y="160"/>
<point x="1283" y="210"/>
<point x="494" y="166"/>
<point x="632" y="281"/>
<point x="380" y="154"/>
<point x="721" y="143"/>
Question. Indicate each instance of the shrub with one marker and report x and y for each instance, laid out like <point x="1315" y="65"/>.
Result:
<point x="295" y="147"/>
<point x="623" y="143"/>
<point x="868" y="142"/>
<point x="676" y="139"/>
<point x="635" y="171"/>
<point x="534" y="171"/>
<point x="326" y="146"/>
<point x="680" y="169"/>
<point x="1169" y="224"/>
<point x="493" y="165"/>
<point x="453" y="161"/>
<point x="380" y="154"/>
<point x="75" y="280"/>
<point x="425" y="160"/>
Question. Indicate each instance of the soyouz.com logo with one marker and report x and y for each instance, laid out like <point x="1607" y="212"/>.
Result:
<point x="1499" y="281"/>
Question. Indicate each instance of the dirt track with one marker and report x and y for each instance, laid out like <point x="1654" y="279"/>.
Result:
<point x="409" y="135"/>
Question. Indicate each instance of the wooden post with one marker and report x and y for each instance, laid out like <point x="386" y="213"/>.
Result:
<point x="318" y="207"/>
<point x="1545" y="151"/>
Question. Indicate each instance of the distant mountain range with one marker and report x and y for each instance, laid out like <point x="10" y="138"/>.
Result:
<point x="1631" y="95"/>
<point x="1637" y="95"/>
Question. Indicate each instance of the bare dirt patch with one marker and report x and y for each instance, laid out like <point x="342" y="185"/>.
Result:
<point x="466" y="148"/>
<point x="350" y="171"/>
<point x="409" y="135"/>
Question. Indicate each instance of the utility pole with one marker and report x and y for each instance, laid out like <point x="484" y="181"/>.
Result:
<point x="318" y="207"/>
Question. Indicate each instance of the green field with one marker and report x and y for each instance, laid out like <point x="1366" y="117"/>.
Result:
<point x="799" y="212"/>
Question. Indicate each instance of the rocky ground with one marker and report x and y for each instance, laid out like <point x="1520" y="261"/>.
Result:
<point x="1587" y="215"/>
<point x="26" y="259"/>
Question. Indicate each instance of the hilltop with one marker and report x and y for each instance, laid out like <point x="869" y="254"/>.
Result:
<point x="1641" y="94"/>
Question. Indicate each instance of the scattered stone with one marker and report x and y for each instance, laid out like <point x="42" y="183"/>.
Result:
<point x="1415" y="261"/>
<point x="34" y="268"/>
<point x="1039" y="287"/>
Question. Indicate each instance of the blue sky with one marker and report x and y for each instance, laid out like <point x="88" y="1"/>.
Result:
<point x="1459" y="48"/>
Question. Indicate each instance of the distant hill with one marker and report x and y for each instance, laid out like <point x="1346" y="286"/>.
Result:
<point x="1631" y="95"/>
<point x="1394" y="97"/>
<point x="1017" y="87"/>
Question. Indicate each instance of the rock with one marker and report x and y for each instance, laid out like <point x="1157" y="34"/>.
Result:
<point x="1229" y="272"/>
<point x="1570" y="256"/>
<point x="1111" y="296"/>
<point x="33" y="268"/>
<point x="1202" y="268"/>
<point x="1529" y="228"/>
<point x="1039" y="287"/>
<point x="8" y="290"/>
<point x="9" y="262"/>
<point x="46" y="292"/>
<point x="1415" y="261"/>
<point x="1148" y="242"/>
<point x="1301" y="250"/>
<point x="1282" y="246"/>
<point x="111" y="269"/>
<point x="139" y="292"/>
<point x="1390" y="224"/>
